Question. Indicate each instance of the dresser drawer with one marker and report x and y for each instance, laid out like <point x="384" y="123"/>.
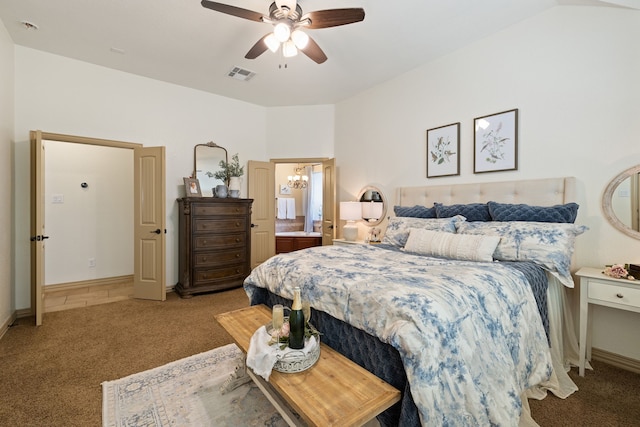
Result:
<point x="204" y="276"/>
<point x="617" y="294"/>
<point x="219" y="241"/>
<point x="238" y="209"/>
<point x="210" y="259"/>
<point x="201" y="225"/>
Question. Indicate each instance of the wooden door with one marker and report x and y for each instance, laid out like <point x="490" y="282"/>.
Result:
<point x="37" y="226"/>
<point x="149" y="223"/>
<point x="328" y="201"/>
<point x="261" y="178"/>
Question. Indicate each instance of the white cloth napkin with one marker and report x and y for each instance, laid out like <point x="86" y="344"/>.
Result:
<point x="261" y="356"/>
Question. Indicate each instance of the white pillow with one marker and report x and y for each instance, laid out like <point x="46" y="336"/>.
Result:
<point x="465" y="247"/>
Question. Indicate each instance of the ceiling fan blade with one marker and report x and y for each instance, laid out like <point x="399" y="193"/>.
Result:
<point x="333" y="17"/>
<point x="313" y="51"/>
<point x="234" y="11"/>
<point x="258" y="49"/>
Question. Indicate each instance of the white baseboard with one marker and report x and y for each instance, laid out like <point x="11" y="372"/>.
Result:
<point x="617" y="360"/>
<point x="5" y="326"/>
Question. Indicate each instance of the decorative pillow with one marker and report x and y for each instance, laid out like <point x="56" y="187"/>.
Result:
<point x="416" y="211"/>
<point x="399" y="227"/>
<point x="465" y="247"/>
<point x="521" y="212"/>
<point x="471" y="211"/>
<point x="548" y="245"/>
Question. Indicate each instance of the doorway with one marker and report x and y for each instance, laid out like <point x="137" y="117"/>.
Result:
<point x="144" y="198"/>
<point x="298" y="189"/>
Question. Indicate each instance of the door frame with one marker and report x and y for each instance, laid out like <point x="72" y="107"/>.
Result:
<point x="37" y="207"/>
<point x="328" y="236"/>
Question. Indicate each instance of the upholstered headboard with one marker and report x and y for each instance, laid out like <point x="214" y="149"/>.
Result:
<point x="537" y="192"/>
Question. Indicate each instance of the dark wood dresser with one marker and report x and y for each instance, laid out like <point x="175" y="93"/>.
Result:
<point x="215" y="244"/>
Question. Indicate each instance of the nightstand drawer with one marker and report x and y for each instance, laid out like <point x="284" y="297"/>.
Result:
<point x="614" y="293"/>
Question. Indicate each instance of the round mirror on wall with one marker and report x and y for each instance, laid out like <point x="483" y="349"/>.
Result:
<point x="374" y="205"/>
<point x="621" y="202"/>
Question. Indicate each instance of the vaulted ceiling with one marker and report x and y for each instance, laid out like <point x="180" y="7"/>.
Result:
<point x="181" y="42"/>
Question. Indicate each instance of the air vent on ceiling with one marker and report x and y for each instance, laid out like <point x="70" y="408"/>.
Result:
<point x="241" y="74"/>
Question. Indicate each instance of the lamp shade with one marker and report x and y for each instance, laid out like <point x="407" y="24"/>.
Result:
<point x="371" y="210"/>
<point x="350" y="211"/>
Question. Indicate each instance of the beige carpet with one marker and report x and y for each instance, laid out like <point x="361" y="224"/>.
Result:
<point x="51" y="375"/>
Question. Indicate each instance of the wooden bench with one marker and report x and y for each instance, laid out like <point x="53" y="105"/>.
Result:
<point x="333" y="392"/>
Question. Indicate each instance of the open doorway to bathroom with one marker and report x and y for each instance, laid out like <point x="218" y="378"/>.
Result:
<point x="298" y="189"/>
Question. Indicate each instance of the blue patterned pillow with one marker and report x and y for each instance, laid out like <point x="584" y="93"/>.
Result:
<point x="471" y="211"/>
<point x="548" y="245"/>
<point x="416" y="211"/>
<point x="399" y="227"/>
<point x="521" y="212"/>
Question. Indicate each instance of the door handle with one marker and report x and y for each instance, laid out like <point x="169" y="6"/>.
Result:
<point x="254" y="225"/>
<point x="157" y="231"/>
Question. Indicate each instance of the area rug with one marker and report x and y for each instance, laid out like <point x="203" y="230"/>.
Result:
<point x="187" y="392"/>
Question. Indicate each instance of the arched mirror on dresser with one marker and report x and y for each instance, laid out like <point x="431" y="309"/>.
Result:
<point x="206" y="162"/>
<point x="621" y="202"/>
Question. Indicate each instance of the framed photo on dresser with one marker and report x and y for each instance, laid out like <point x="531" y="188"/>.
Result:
<point x="192" y="187"/>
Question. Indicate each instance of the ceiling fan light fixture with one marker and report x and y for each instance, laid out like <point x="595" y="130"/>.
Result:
<point x="282" y="32"/>
<point x="300" y="39"/>
<point x="272" y="43"/>
<point x="289" y="49"/>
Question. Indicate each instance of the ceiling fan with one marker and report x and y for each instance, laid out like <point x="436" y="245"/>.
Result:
<point x="288" y="21"/>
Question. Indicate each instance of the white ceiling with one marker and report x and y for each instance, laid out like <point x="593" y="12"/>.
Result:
<point x="179" y="41"/>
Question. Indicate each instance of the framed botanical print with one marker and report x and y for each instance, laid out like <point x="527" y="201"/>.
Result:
<point x="192" y="187"/>
<point x="443" y="151"/>
<point x="495" y="142"/>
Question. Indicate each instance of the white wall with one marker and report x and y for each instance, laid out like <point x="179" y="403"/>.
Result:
<point x="87" y="223"/>
<point x="6" y="174"/>
<point x="62" y="95"/>
<point x="300" y="132"/>
<point x="573" y="74"/>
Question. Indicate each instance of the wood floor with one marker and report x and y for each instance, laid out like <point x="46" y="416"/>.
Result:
<point x="65" y="297"/>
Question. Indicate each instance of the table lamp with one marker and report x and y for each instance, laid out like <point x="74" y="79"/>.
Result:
<point x="350" y="212"/>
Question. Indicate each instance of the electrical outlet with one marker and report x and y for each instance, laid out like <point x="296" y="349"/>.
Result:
<point x="92" y="262"/>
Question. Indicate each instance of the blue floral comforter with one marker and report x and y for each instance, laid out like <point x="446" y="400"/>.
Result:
<point x="469" y="333"/>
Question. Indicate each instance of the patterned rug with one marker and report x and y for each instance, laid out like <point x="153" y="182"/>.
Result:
<point x="187" y="392"/>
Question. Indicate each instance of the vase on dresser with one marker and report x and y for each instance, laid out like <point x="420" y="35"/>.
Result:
<point x="214" y="244"/>
<point x="234" y="187"/>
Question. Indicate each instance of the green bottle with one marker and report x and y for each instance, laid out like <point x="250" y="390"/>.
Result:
<point x="296" y="322"/>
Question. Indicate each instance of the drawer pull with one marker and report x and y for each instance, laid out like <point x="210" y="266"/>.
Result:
<point x="237" y="224"/>
<point x="237" y="270"/>
<point x="237" y="240"/>
<point x="237" y="255"/>
<point x="620" y="295"/>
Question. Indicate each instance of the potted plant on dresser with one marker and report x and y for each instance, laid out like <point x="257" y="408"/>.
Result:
<point x="230" y="173"/>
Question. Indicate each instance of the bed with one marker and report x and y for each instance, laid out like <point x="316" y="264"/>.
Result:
<point x="465" y="339"/>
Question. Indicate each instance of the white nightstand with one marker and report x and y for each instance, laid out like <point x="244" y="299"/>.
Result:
<point x="348" y="242"/>
<point x="597" y="288"/>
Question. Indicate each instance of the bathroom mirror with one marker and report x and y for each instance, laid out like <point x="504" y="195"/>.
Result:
<point x="206" y="158"/>
<point x="620" y="202"/>
<point x="374" y="206"/>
